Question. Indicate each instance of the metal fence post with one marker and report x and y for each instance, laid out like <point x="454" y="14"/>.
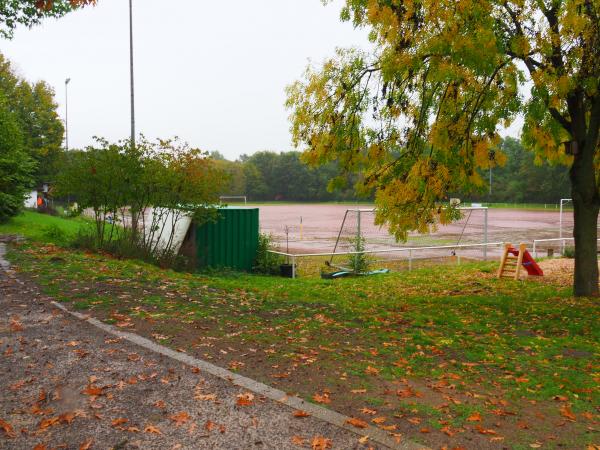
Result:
<point x="534" y="249"/>
<point x="293" y="267"/>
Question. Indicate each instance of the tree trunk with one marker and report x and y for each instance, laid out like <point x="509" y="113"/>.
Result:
<point x="586" y="203"/>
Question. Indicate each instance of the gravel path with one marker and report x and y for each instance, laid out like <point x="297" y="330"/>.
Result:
<point x="67" y="384"/>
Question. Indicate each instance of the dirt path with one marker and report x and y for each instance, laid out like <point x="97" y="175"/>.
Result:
<point x="67" y="384"/>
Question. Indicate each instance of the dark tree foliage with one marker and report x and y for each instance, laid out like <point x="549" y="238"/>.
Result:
<point x="16" y="166"/>
<point x="523" y="179"/>
<point x="34" y="108"/>
<point x="32" y="12"/>
<point x="267" y="175"/>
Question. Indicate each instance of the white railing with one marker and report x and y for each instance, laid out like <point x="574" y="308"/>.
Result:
<point x="562" y="241"/>
<point x="409" y="250"/>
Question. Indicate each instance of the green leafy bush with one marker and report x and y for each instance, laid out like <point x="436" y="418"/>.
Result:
<point x="359" y="262"/>
<point x="55" y="234"/>
<point x="569" y="252"/>
<point x="265" y="262"/>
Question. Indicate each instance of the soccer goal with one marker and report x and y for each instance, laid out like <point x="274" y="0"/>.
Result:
<point x="227" y="199"/>
<point x="466" y="237"/>
<point x="565" y="224"/>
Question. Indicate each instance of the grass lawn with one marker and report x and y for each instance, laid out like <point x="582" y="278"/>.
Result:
<point x="43" y="227"/>
<point x="446" y="355"/>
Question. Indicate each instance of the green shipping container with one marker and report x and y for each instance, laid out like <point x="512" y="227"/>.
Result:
<point x="231" y="241"/>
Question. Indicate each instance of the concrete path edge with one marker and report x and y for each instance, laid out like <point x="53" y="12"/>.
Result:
<point x="374" y="434"/>
<point x="319" y="412"/>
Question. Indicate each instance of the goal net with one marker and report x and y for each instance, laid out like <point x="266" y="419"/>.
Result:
<point x="229" y="199"/>
<point x="359" y="233"/>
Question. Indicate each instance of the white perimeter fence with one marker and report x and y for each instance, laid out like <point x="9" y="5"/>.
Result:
<point x="410" y="255"/>
<point x="407" y="254"/>
<point x="562" y="241"/>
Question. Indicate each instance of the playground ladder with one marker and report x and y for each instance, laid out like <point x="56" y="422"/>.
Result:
<point x="513" y="259"/>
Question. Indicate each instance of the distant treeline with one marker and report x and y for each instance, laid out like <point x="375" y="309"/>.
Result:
<point x="268" y="175"/>
<point x="282" y="176"/>
<point x="520" y="180"/>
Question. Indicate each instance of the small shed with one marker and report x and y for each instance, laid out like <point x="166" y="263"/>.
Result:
<point x="231" y="241"/>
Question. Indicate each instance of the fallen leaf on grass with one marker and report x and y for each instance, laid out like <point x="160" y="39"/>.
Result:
<point x="414" y="420"/>
<point x="152" y="429"/>
<point x="40" y="447"/>
<point x="370" y="412"/>
<point x="408" y="392"/>
<point x="379" y="420"/>
<point x="482" y="430"/>
<point x="424" y="430"/>
<point x="522" y="380"/>
<point x="119" y="421"/>
<point x="565" y="411"/>
<point x="210" y="425"/>
<point x="7" y="428"/>
<point x="320" y="443"/>
<point x="446" y="430"/>
<point x="160" y="404"/>
<point x="180" y="418"/>
<point x="246" y="399"/>
<point x="300" y="413"/>
<point x="357" y="423"/>
<point x="297" y="440"/>
<point x="475" y="417"/>
<point x="359" y="391"/>
<point x="372" y="371"/>
<point x="324" y="398"/>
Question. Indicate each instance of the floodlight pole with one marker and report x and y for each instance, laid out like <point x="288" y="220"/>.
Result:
<point x="67" y="114"/>
<point x="131" y="74"/>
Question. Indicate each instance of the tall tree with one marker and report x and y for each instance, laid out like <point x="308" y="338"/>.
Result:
<point x="419" y="116"/>
<point x="16" y="166"/>
<point x="31" y="12"/>
<point x="36" y="112"/>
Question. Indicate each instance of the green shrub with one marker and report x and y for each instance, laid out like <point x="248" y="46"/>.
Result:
<point x="55" y="234"/>
<point x="569" y="252"/>
<point x="265" y="262"/>
<point x="359" y="262"/>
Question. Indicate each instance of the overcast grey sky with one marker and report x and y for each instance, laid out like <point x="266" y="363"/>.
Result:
<point x="210" y="72"/>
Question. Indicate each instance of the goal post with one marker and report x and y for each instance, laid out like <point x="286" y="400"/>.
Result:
<point x="561" y="221"/>
<point x="224" y="199"/>
<point x="358" y="232"/>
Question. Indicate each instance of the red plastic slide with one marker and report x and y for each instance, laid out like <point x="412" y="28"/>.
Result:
<point x="529" y="263"/>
